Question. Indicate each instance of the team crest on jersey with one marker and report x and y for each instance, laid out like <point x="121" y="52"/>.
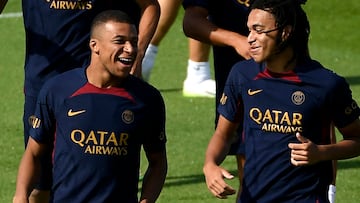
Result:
<point x="127" y="116"/>
<point x="34" y="122"/>
<point x="298" y="97"/>
<point x="351" y="108"/>
<point x="223" y="99"/>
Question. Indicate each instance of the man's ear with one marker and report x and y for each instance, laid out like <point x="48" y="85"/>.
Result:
<point x="93" y="46"/>
<point x="286" y="33"/>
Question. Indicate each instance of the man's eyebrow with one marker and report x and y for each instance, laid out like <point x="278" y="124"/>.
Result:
<point x="119" y="36"/>
<point x="125" y="38"/>
<point x="257" y="26"/>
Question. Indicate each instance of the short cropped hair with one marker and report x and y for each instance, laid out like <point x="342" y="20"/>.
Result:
<point x="289" y="12"/>
<point x="110" y="15"/>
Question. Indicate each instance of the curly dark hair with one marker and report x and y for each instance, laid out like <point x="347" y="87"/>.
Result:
<point x="289" y="12"/>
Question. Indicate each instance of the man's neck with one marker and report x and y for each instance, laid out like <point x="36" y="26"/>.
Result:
<point x="282" y="62"/>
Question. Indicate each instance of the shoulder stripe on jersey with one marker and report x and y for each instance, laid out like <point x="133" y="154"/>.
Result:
<point x="91" y="89"/>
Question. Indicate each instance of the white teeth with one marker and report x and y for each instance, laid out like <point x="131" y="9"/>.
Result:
<point x="125" y="60"/>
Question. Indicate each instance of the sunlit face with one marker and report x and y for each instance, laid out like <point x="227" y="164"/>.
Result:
<point x="262" y="36"/>
<point x="117" y="48"/>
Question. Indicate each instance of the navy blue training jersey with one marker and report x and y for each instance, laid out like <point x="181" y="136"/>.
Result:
<point x="230" y="15"/>
<point x="57" y="35"/>
<point x="97" y="135"/>
<point x="276" y="106"/>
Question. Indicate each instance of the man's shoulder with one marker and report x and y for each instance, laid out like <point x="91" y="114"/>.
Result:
<point x="68" y="76"/>
<point x="247" y="66"/>
<point x="65" y="80"/>
<point x="142" y="89"/>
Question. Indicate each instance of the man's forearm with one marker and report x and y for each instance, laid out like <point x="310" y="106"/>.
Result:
<point x="147" y="26"/>
<point x="154" y="178"/>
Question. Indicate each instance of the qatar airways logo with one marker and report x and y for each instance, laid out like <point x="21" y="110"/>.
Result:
<point x="272" y="120"/>
<point x="244" y="2"/>
<point x="70" y="5"/>
<point x="101" y="142"/>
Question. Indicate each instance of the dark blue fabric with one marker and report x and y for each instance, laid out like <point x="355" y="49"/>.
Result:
<point x="275" y="108"/>
<point x="97" y="135"/>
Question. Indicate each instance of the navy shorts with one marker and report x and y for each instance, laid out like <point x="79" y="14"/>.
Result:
<point x="45" y="179"/>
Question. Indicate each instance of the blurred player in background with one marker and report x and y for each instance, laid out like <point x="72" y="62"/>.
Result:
<point x="286" y="102"/>
<point x="222" y="24"/>
<point x="94" y="121"/>
<point x="198" y="82"/>
<point x="57" y="35"/>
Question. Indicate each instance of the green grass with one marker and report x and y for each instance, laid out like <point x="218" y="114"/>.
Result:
<point x="334" y="42"/>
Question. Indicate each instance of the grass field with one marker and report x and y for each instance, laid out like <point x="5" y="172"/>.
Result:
<point x="334" y="41"/>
